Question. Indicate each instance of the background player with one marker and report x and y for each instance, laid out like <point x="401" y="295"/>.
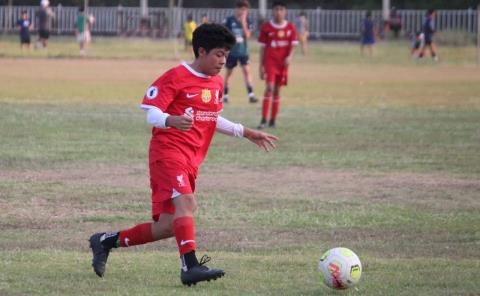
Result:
<point x="277" y="39"/>
<point x="183" y="106"/>
<point x="241" y="26"/>
<point x="368" y="34"/>
<point x="429" y="31"/>
<point x="188" y="27"/>
<point x="25" y="26"/>
<point x="301" y="24"/>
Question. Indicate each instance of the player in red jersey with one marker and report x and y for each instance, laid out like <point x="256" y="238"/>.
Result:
<point x="183" y="105"/>
<point x="277" y="39"/>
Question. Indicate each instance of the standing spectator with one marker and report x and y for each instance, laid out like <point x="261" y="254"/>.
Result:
<point x="241" y="26"/>
<point x="82" y="30"/>
<point x="429" y="31"/>
<point x="395" y="22"/>
<point x="278" y="38"/>
<point x="301" y="24"/>
<point x="25" y="25"/>
<point x="368" y="34"/>
<point x="45" y="16"/>
<point x="188" y="27"/>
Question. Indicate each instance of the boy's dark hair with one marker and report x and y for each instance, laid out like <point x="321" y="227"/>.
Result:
<point x="368" y="14"/>
<point x="190" y="17"/>
<point x="23" y="12"/>
<point x="242" y="3"/>
<point x="81" y="9"/>
<point x="430" y="11"/>
<point x="302" y="13"/>
<point x="210" y="36"/>
<point x="279" y="3"/>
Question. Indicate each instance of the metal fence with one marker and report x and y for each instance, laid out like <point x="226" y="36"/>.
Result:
<point x="165" y="22"/>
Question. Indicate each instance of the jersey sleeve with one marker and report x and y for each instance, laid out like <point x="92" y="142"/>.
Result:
<point x="263" y="37"/>
<point x="161" y="93"/>
<point x="293" y="36"/>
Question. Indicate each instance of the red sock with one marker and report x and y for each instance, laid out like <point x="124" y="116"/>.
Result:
<point x="275" y="107"/>
<point x="184" y="229"/>
<point x="137" y="235"/>
<point x="266" y="104"/>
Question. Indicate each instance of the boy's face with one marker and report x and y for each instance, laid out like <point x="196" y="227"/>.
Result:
<point x="24" y="16"/>
<point x="241" y="12"/>
<point x="212" y="62"/>
<point x="279" y="13"/>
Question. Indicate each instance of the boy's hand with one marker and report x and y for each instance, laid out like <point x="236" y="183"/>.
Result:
<point x="183" y="122"/>
<point x="261" y="139"/>
<point x="262" y="73"/>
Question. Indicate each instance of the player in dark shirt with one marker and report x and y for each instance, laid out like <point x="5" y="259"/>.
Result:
<point x="25" y="25"/>
<point x="429" y="31"/>
<point x="368" y="34"/>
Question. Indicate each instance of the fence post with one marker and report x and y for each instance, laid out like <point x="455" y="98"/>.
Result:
<point x="478" y="35"/>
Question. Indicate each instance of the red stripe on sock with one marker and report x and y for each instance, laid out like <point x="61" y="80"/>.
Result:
<point x="137" y="235"/>
<point x="184" y="229"/>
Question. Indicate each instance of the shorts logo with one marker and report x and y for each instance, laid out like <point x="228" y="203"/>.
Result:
<point x="206" y="95"/>
<point x="281" y="33"/>
<point x="181" y="182"/>
<point x="152" y="92"/>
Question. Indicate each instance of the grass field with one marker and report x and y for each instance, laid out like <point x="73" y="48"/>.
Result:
<point x="380" y="155"/>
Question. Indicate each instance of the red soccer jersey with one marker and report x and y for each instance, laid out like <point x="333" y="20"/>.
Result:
<point x="278" y="41"/>
<point x="182" y="90"/>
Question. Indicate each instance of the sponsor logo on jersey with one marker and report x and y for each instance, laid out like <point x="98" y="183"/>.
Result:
<point x="152" y="92"/>
<point x="206" y="95"/>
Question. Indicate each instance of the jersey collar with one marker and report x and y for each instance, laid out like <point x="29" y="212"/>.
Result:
<point x="198" y="74"/>
<point x="276" y="26"/>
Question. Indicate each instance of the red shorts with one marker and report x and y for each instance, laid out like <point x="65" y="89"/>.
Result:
<point x="276" y="75"/>
<point x="168" y="180"/>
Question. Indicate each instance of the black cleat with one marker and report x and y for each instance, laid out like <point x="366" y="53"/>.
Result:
<point x="252" y="99"/>
<point x="225" y="99"/>
<point x="200" y="273"/>
<point x="100" y="254"/>
<point x="271" y="124"/>
<point x="262" y="124"/>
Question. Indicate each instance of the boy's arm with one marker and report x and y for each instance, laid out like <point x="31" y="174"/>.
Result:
<point x="261" y="139"/>
<point x="262" y="55"/>
<point x="245" y="26"/>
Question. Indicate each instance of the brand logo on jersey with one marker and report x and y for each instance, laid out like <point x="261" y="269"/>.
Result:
<point x="152" y="92"/>
<point x="189" y="96"/>
<point x="181" y="182"/>
<point x="281" y="33"/>
<point x="206" y="95"/>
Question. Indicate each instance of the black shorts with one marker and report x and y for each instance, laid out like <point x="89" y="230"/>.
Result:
<point x="233" y="60"/>
<point x="44" y="34"/>
<point x="24" y="39"/>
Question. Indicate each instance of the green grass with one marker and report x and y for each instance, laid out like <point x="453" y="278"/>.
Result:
<point x="379" y="155"/>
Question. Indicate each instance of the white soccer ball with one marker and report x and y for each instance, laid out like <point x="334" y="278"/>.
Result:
<point x="340" y="268"/>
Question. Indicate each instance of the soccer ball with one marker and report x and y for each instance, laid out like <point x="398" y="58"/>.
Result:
<point x="340" y="268"/>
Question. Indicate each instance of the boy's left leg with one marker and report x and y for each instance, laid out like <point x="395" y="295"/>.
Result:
<point x="275" y="105"/>
<point x="184" y="229"/>
<point x="248" y="79"/>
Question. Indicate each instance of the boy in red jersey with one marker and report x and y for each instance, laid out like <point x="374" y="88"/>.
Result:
<point x="277" y="39"/>
<point x="183" y="105"/>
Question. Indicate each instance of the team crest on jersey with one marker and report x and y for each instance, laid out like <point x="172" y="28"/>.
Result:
<point x="206" y="95"/>
<point x="281" y="33"/>
<point x="152" y="92"/>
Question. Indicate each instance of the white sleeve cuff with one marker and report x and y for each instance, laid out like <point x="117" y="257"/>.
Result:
<point x="227" y="127"/>
<point x="155" y="116"/>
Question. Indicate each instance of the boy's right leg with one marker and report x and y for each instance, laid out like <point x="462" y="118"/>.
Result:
<point x="267" y="99"/>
